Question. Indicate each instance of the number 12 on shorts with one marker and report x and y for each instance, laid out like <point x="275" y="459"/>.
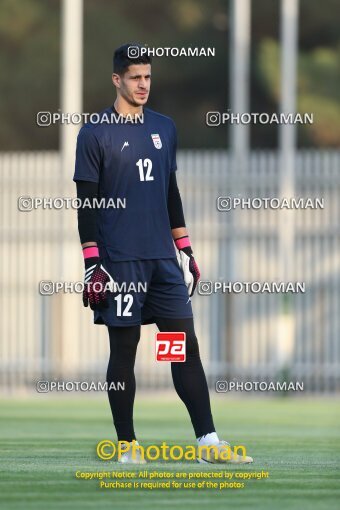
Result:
<point x="124" y="304"/>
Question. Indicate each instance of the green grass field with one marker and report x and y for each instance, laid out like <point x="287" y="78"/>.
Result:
<point x="45" y="440"/>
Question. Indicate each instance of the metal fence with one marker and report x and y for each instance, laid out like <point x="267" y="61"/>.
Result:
<point x="256" y="336"/>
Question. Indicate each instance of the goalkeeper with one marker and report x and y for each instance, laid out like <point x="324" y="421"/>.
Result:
<point x="135" y="245"/>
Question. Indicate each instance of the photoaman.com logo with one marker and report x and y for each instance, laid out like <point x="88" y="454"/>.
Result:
<point x="170" y="346"/>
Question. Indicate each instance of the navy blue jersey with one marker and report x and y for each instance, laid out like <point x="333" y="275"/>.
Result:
<point x="131" y="162"/>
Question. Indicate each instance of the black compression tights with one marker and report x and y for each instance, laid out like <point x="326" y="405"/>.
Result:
<point x="188" y="377"/>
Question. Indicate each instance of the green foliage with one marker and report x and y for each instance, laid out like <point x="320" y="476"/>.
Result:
<point x="318" y="89"/>
<point x="29" y="70"/>
<point x="184" y="88"/>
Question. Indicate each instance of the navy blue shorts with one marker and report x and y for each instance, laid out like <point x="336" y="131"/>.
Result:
<point x="145" y="289"/>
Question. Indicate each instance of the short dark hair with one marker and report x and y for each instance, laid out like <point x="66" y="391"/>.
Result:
<point x="123" y="57"/>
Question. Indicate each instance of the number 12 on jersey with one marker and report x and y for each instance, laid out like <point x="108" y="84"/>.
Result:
<point x="145" y="167"/>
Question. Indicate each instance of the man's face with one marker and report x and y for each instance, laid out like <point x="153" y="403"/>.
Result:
<point x="134" y="84"/>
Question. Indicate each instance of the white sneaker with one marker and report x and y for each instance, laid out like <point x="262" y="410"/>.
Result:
<point x="222" y="453"/>
<point x="132" y="456"/>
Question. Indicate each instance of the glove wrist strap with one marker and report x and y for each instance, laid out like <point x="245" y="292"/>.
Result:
<point x="183" y="244"/>
<point x="91" y="255"/>
<point x="90" y="252"/>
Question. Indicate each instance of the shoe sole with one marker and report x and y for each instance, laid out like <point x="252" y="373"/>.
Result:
<point x="204" y="461"/>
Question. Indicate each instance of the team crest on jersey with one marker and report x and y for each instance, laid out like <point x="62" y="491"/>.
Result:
<point x="157" y="141"/>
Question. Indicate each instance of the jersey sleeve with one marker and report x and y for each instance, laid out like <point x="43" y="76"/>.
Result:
<point x="88" y="157"/>
<point x="173" y="162"/>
